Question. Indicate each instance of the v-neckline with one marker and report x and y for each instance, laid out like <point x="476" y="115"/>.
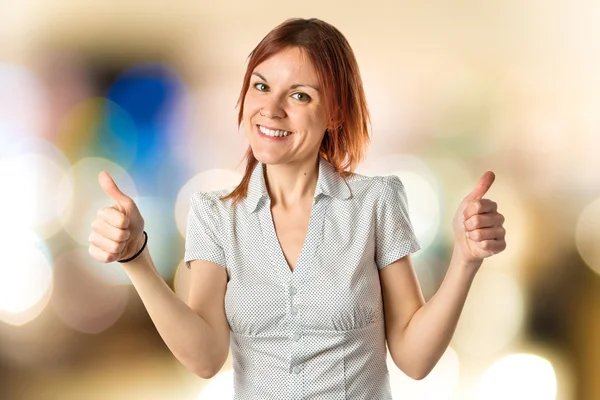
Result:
<point x="273" y="246"/>
<point x="279" y="249"/>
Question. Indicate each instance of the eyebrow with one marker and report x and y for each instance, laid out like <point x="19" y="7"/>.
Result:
<point x="295" y="86"/>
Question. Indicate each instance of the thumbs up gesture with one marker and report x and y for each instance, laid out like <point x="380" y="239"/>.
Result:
<point x="117" y="232"/>
<point x="478" y="225"/>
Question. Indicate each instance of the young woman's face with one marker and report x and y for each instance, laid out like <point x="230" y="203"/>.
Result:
<point x="284" y="111"/>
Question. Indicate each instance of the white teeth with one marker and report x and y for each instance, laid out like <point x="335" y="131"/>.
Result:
<point x="272" y="132"/>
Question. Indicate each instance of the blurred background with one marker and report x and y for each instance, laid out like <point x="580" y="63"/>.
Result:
<point x="147" y="91"/>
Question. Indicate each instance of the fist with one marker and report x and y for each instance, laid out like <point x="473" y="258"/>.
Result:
<point x="478" y="225"/>
<point x="117" y="232"/>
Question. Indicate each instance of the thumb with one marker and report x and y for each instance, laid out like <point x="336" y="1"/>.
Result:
<point x="109" y="187"/>
<point x="484" y="184"/>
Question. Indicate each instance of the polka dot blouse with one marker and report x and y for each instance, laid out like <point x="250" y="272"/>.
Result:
<point x="316" y="332"/>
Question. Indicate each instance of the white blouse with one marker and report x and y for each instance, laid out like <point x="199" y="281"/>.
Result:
<point x="316" y="332"/>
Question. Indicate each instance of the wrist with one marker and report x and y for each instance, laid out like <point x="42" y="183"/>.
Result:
<point x="469" y="266"/>
<point x="139" y="246"/>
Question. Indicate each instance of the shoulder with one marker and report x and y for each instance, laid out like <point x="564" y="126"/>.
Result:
<point x="373" y="184"/>
<point x="212" y="201"/>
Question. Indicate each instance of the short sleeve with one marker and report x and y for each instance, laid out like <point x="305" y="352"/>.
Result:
<point x="394" y="233"/>
<point x="202" y="240"/>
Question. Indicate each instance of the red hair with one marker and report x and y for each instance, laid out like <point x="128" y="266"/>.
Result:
<point x="344" y="145"/>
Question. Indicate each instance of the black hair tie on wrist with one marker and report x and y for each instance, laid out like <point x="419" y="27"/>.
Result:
<point x="139" y="252"/>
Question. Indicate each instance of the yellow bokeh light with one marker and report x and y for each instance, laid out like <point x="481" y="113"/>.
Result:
<point x="518" y="377"/>
<point x="102" y="120"/>
<point x="587" y="236"/>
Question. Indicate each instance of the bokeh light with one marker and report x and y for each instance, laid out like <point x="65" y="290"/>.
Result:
<point x="98" y="127"/>
<point x="207" y="181"/>
<point x="83" y="301"/>
<point x="32" y="175"/>
<point x="587" y="235"/>
<point x="518" y="377"/>
<point x="25" y="276"/>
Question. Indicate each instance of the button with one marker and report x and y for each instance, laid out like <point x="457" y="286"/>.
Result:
<point x="293" y="290"/>
<point x="294" y="310"/>
<point x="297" y="370"/>
<point x="296" y="336"/>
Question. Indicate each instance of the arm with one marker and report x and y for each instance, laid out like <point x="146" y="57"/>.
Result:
<point x="198" y="334"/>
<point x="418" y="333"/>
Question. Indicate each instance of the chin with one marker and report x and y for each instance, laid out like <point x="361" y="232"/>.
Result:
<point x="269" y="158"/>
<point x="267" y="155"/>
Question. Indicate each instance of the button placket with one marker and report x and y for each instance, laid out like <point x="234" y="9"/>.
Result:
<point x="294" y="323"/>
<point x="293" y="308"/>
<point x="294" y="330"/>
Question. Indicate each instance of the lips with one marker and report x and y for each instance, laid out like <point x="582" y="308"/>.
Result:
<point x="273" y="132"/>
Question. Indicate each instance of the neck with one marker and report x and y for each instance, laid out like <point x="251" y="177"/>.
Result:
<point x="291" y="183"/>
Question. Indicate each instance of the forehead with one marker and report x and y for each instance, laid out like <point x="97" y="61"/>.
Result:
<point x="290" y="64"/>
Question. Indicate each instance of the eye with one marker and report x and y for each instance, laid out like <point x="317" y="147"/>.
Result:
<point x="261" y="87"/>
<point x="301" y="97"/>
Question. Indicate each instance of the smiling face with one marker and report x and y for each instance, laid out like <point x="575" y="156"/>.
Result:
<point x="284" y="112"/>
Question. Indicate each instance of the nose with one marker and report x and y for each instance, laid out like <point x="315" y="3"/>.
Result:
<point x="272" y="108"/>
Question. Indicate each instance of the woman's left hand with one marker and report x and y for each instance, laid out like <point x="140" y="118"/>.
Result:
<point x="478" y="225"/>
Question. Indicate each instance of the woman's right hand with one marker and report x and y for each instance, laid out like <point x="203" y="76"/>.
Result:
<point x="117" y="232"/>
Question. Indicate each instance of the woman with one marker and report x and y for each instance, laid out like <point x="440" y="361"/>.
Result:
<point x="304" y="268"/>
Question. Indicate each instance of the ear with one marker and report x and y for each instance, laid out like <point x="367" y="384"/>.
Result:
<point x="332" y="125"/>
<point x="333" y="122"/>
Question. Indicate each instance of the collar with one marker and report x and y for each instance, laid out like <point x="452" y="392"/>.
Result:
<point x="329" y="183"/>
